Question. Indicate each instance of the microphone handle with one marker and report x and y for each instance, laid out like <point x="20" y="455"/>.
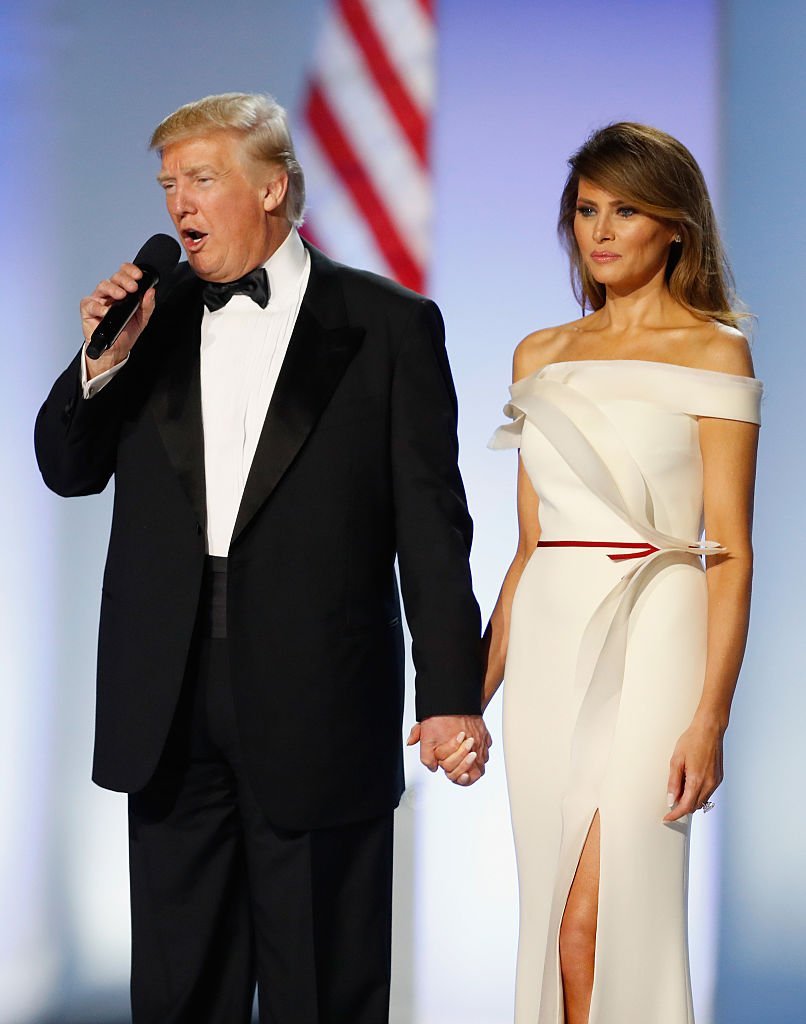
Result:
<point x="106" y="333"/>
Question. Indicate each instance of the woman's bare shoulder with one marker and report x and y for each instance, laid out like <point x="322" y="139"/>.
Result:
<point x="538" y="349"/>
<point x="726" y="350"/>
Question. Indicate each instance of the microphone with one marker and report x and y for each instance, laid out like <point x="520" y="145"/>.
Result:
<point x="159" y="255"/>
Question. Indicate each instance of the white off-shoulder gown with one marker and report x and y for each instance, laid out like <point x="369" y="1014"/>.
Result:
<point x="605" y="667"/>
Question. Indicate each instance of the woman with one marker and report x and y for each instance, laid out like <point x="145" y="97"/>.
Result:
<point x="621" y="632"/>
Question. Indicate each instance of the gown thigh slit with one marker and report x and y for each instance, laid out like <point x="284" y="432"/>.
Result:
<point x="585" y="864"/>
<point x="605" y="666"/>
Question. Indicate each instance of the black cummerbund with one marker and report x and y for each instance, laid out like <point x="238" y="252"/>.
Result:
<point x="213" y="605"/>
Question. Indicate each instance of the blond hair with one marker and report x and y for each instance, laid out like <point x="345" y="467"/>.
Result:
<point x="258" y="119"/>
<point x="652" y="171"/>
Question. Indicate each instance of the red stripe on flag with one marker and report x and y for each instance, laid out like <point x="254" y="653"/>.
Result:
<point x="427" y="6"/>
<point x="346" y="164"/>
<point x="409" y="117"/>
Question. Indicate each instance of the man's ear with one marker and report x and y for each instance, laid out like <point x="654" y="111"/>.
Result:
<point x="274" y="192"/>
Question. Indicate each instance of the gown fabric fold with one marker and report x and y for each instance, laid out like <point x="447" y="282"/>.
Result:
<point x="605" y="668"/>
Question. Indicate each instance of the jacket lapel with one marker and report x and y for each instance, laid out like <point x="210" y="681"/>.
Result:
<point x="177" y="396"/>
<point x="320" y="350"/>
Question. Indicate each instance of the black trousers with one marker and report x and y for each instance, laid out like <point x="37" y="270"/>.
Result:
<point x="223" y="900"/>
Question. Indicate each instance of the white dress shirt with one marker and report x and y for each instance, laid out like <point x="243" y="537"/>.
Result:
<point x="242" y="350"/>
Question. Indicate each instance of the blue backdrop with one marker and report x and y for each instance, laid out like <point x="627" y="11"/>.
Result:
<point x="521" y="83"/>
<point x="763" y="937"/>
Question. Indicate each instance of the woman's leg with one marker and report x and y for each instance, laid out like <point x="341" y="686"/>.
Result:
<point x="578" y="931"/>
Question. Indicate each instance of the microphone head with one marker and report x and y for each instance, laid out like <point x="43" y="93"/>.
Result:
<point x="160" y="253"/>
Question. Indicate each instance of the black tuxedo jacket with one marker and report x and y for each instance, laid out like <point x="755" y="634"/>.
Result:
<point x="356" y="464"/>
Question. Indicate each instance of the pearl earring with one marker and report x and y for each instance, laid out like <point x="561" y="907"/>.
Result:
<point x="677" y="238"/>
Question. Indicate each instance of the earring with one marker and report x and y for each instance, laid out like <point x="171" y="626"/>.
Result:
<point x="677" y="238"/>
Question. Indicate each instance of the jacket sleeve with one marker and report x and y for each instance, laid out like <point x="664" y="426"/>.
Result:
<point x="433" y="526"/>
<point x="75" y="438"/>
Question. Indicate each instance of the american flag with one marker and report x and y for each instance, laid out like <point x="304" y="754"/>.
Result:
<point x="363" y="140"/>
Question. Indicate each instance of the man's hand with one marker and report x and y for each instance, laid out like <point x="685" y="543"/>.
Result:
<point x="94" y="307"/>
<point x="459" y="744"/>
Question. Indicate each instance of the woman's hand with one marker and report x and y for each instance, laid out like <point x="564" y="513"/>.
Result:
<point x="455" y="757"/>
<point x="696" y="768"/>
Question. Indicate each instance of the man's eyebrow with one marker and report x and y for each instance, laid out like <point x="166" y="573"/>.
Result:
<point x="186" y="171"/>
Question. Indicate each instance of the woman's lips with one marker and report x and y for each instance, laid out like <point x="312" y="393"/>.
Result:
<point x="605" y="257"/>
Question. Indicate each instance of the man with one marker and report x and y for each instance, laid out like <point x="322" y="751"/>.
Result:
<point x="275" y="445"/>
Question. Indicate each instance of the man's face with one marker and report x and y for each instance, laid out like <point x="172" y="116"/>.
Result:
<point x="221" y="205"/>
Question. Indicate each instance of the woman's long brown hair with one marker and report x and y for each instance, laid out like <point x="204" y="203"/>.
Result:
<point x="652" y="171"/>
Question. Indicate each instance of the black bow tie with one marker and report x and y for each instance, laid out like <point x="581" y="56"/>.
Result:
<point x="255" y="284"/>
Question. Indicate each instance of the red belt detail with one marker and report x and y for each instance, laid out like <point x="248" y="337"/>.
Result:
<point x="636" y="550"/>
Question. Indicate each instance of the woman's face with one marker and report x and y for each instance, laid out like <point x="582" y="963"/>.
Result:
<point x="622" y="248"/>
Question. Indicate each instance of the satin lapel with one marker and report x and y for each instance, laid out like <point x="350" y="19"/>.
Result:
<point x="177" y="398"/>
<point x="315" y="362"/>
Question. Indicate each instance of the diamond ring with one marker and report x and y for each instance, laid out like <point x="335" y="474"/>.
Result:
<point x="707" y="806"/>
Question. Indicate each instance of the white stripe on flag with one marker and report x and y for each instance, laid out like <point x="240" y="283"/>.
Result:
<point x="374" y="134"/>
<point x="409" y="36"/>
<point x="339" y="226"/>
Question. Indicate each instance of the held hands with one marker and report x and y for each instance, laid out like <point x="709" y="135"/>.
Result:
<point x="695" y="768"/>
<point x="459" y="744"/>
<point x="94" y="307"/>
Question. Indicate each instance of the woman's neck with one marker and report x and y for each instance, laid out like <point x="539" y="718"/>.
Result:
<point x="649" y="305"/>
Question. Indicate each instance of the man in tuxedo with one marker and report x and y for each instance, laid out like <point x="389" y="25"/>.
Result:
<point x="280" y="428"/>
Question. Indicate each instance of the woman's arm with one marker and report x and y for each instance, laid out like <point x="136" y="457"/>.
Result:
<point x="528" y="356"/>
<point x="729" y="464"/>
<point x="496" y="636"/>
<point x="729" y="456"/>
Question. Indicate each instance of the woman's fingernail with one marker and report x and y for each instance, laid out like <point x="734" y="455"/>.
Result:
<point x="670" y="800"/>
<point x="471" y="758"/>
<point x="469" y="743"/>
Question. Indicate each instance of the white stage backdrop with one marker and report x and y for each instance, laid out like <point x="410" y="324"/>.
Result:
<point x="520" y="84"/>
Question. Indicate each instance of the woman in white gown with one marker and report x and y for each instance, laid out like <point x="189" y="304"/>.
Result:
<point x="619" y="630"/>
